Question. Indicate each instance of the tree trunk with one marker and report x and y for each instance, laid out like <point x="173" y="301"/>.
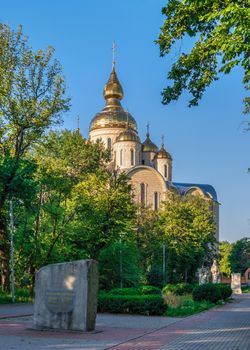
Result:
<point x="5" y="255"/>
<point x="186" y="275"/>
<point x="5" y="280"/>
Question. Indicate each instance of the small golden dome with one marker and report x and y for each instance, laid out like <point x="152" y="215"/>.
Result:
<point x="113" y="88"/>
<point x="148" y="145"/>
<point x="163" y="154"/>
<point x="128" y="135"/>
<point x="112" y="115"/>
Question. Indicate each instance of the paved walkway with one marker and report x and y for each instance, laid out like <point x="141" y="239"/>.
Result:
<point x="224" y="328"/>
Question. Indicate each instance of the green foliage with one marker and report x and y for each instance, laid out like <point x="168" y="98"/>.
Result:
<point x="155" y="277"/>
<point x="119" y="264"/>
<point x="74" y="216"/>
<point x="178" y="289"/>
<point x="240" y="255"/>
<point x="225" y="249"/>
<point x="133" y="304"/>
<point x="32" y="99"/>
<point x="245" y="289"/>
<point x="185" y="225"/>
<point x="141" y="290"/>
<point x="21" y="296"/>
<point x="221" y="41"/>
<point x="188" y="307"/>
<point x="226" y="290"/>
<point x="149" y="290"/>
<point x="188" y="230"/>
<point x="211" y="292"/>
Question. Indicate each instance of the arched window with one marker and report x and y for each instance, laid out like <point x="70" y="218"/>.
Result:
<point x="132" y="157"/>
<point x="109" y="144"/>
<point x="143" y="194"/>
<point x="156" y="200"/>
<point x="165" y="170"/>
<point x="121" y="157"/>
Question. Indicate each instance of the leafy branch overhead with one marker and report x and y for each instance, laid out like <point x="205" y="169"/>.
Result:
<point x="221" y="34"/>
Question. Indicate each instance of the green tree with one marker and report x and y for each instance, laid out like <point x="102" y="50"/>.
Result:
<point x="119" y="265"/>
<point x="225" y="249"/>
<point x="240" y="255"/>
<point x="32" y="98"/>
<point x="104" y="212"/>
<point x="150" y="244"/>
<point x="188" y="227"/>
<point x="63" y="160"/>
<point x="220" y="33"/>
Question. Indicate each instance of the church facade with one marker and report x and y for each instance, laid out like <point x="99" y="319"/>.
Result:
<point x="148" y="167"/>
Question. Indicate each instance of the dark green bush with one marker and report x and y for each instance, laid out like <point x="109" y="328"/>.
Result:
<point x="245" y="289"/>
<point x="209" y="291"/>
<point x="142" y="290"/>
<point x="133" y="304"/>
<point x="226" y="290"/>
<point x="155" y="277"/>
<point x="178" y="289"/>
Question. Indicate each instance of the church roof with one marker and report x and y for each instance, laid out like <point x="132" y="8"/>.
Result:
<point x="112" y="115"/>
<point x="128" y="135"/>
<point x="163" y="154"/>
<point x="148" y="145"/>
<point x="207" y="189"/>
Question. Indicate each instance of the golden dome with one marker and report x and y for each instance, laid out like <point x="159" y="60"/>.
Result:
<point x="113" y="87"/>
<point x="112" y="115"/>
<point x="128" y="135"/>
<point x="148" y="145"/>
<point x="163" y="154"/>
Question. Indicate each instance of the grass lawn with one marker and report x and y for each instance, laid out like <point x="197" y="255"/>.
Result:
<point x="179" y="306"/>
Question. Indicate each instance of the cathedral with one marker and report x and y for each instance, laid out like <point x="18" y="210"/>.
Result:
<point x="148" y="166"/>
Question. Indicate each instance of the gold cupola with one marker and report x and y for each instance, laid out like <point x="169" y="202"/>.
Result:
<point x="128" y="134"/>
<point x="148" y="145"/>
<point x="163" y="154"/>
<point x="112" y="115"/>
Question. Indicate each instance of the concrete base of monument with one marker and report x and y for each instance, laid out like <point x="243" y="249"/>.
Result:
<point x="62" y="331"/>
<point x="66" y="296"/>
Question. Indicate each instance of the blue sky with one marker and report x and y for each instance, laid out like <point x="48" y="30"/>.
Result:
<point x="208" y="143"/>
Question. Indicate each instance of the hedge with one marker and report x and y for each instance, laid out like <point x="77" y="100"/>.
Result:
<point x="142" y="290"/>
<point x="226" y="291"/>
<point x="132" y="304"/>
<point x="211" y="292"/>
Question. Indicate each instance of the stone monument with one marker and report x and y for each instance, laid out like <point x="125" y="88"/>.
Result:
<point x="236" y="283"/>
<point x="66" y="296"/>
<point x="203" y="275"/>
<point x="215" y="272"/>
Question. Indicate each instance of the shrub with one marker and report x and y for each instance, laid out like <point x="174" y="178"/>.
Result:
<point x="172" y="300"/>
<point x="245" y="289"/>
<point x="142" y="290"/>
<point x="209" y="291"/>
<point x="133" y="304"/>
<point x="155" y="277"/>
<point x="226" y="291"/>
<point x="178" y="289"/>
